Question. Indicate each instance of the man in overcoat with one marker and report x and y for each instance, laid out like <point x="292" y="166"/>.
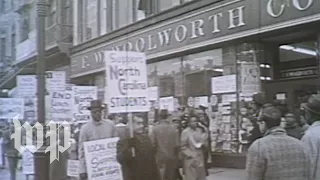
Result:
<point x="276" y="155"/>
<point x="95" y="129"/>
<point x="137" y="155"/>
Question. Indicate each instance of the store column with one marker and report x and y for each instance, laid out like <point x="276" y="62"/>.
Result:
<point x="318" y="57"/>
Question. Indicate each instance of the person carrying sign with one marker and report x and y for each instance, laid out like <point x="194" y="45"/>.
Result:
<point x="136" y="154"/>
<point x="94" y="130"/>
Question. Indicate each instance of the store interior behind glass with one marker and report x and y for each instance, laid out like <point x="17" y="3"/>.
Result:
<point x="284" y="67"/>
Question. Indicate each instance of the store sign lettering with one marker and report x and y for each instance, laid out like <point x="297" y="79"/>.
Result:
<point x="173" y="35"/>
<point x="299" y="73"/>
<point x="276" y="8"/>
<point x="182" y="32"/>
<point x="98" y="57"/>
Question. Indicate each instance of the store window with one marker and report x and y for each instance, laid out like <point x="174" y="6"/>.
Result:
<point x="166" y="85"/>
<point x="214" y="84"/>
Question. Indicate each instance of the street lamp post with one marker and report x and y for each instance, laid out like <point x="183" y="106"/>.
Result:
<point x="41" y="160"/>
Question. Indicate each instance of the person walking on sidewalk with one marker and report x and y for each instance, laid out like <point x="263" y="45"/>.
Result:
<point x="193" y="139"/>
<point x="94" y="130"/>
<point x="276" y="155"/>
<point x="165" y="139"/>
<point x="12" y="153"/>
<point x="140" y="165"/>
<point x="311" y="139"/>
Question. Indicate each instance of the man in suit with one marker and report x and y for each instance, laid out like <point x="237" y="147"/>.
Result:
<point x="94" y="130"/>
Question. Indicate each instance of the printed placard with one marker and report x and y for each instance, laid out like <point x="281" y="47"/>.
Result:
<point x="73" y="168"/>
<point x="61" y="103"/>
<point x="83" y="95"/>
<point x="101" y="159"/>
<point x="11" y="108"/>
<point x="167" y="103"/>
<point x="28" y="162"/>
<point x="224" y="84"/>
<point x="127" y="85"/>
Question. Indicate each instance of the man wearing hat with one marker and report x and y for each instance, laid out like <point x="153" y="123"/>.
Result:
<point x="311" y="139"/>
<point x="94" y="130"/>
<point x="276" y="155"/>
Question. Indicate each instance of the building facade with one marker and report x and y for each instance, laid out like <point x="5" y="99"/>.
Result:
<point x="219" y="53"/>
<point x="7" y="36"/>
<point x="58" y="40"/>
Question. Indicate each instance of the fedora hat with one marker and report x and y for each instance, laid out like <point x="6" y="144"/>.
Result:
<point x="96" y="104"/>
<point x="313" y="104"/>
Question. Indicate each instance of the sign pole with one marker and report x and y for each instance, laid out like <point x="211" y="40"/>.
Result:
<point x="130" y="118"/>
<point x="41" y="167"/>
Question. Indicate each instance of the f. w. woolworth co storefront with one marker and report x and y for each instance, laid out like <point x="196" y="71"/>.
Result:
<point x="219" y="53"/>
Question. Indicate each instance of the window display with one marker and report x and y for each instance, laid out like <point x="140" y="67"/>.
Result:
<point x="226" y="87"/>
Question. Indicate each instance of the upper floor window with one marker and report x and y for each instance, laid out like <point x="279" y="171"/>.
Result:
<point x="24" y="25"/>
<point x="2" y="6"/>
<point x="13" y="46"/>
<point x="167" y="4"/>
<point x="91" y="19"/>
<point x="66" y="13"/>
<point x="2" y="48"/>
<point x="97" y="17"/>
<point x="52" y="16"/>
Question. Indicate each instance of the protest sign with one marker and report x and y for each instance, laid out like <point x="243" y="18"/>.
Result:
<point x="60" y="106"/>
<point x="127" y="86"/>
<point x="30" y="109"/>
<point x="101" y="160"/>
<point x="73" y="168"/>
<point x="27" y="89"/>
<point x="55" y="80"/>
<point x="153" y="93"/>
<point x="83" y="95"/>
<point x="167" y="103"/>
<point x="11" y="107"/>
<point x="27" y="85"/>
<point x="27" y="162"/>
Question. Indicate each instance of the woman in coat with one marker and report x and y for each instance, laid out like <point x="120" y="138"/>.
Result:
<point x="193" y="139"/>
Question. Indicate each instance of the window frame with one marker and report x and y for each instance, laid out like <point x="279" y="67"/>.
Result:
<point x="52" y="16"/>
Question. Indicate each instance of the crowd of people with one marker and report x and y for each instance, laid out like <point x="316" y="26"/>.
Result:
<point x="279" y="143"/>
<point x="287" y="150"/>
<point x="171" y="150"/>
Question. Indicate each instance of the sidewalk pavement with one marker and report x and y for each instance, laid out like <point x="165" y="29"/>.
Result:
<point x="226" y="174"/>
<point x="215" y="174"/>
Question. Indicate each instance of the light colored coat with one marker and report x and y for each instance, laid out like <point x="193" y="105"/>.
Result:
<point x="192" y="152"/>
<point x="94" y="131"/>
<point x="311" y="141"/>
<point x="278" y="156"/>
